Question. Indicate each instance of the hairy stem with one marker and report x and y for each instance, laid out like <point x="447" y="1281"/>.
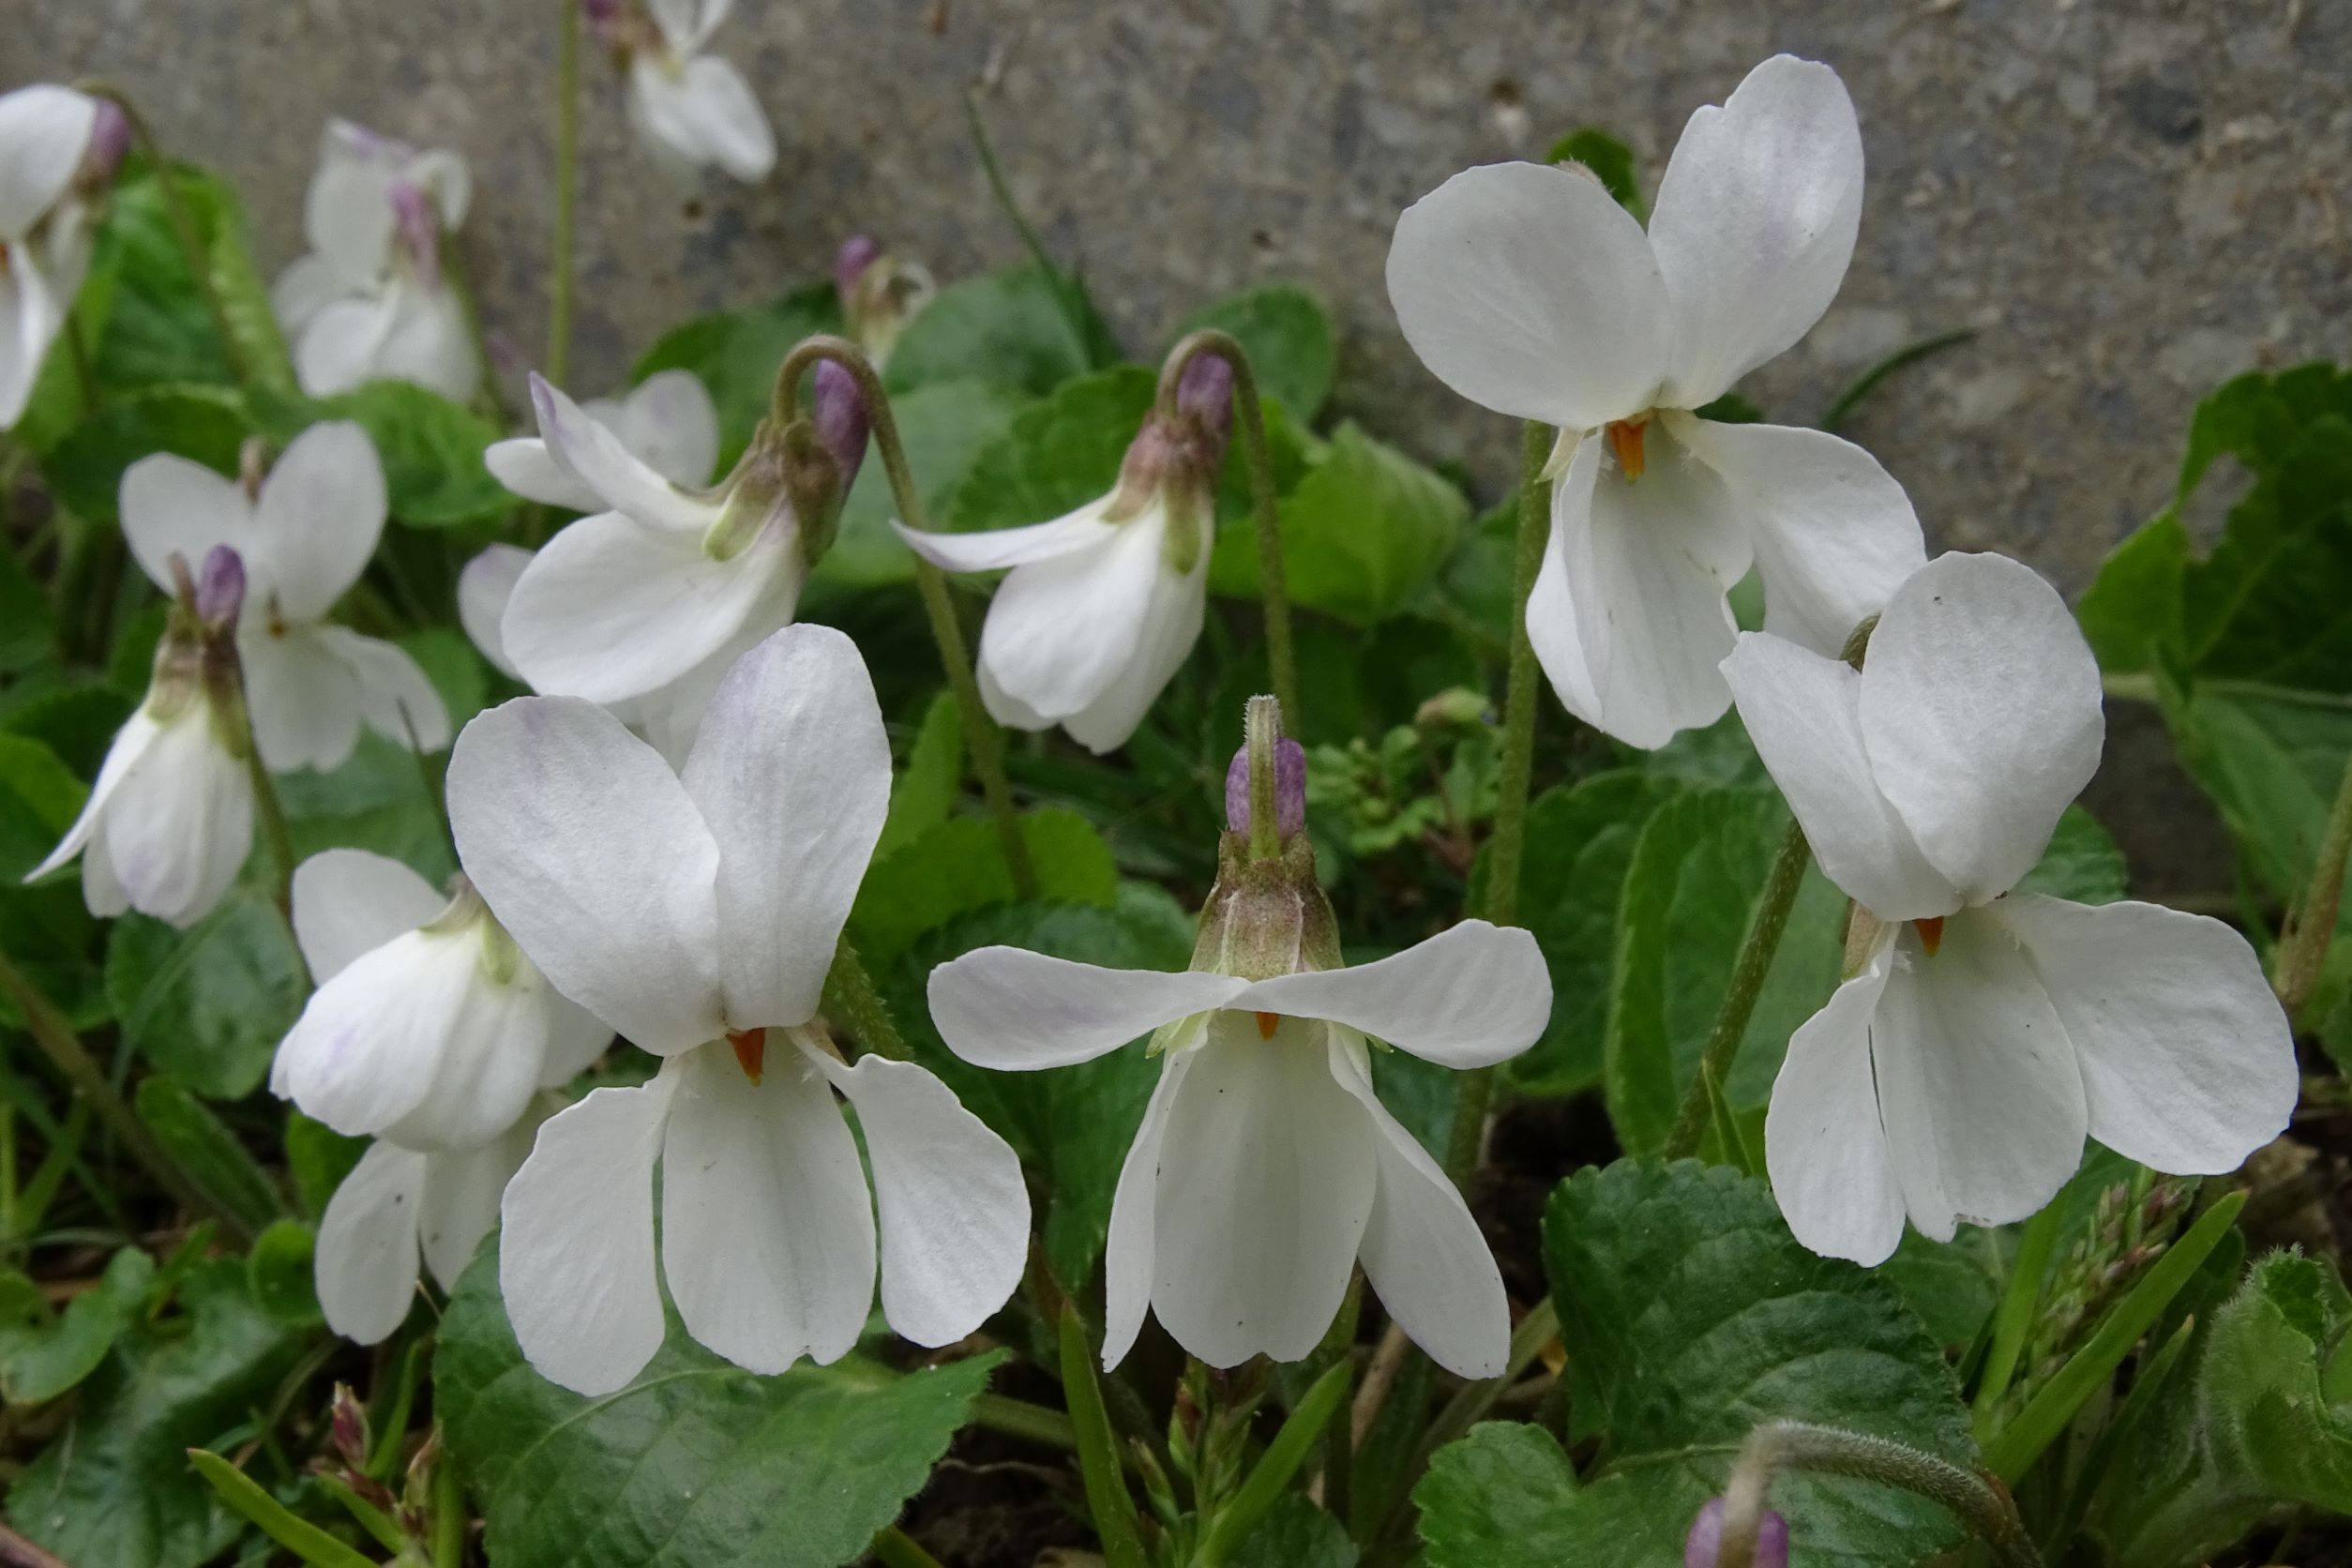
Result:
<point x="1978" y="1502"/>
<point x="2303" y="946"/>
<point x="852" y="991"/>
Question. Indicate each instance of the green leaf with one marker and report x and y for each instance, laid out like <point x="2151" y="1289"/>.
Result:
<point x="115" y="1486"/>
<point x="1364" y="531"/>
<point x="206" y="423"/>
<point x="1011" y="327"/>
<point x="737" y="354"/>
<point x="2271" y="760"/>
<point x="76" y="718"/>
<point x="1296" y="1534"/>
<point x="1286" y="333"/>
<point x="944" y="427"/>
<point x="928" y="782"/>
<point x="158" y="325"/>
<point x="1690" y="1315"/>
<point x="1057" y="454"/>
<point x="2082" y="863"/>
<point x="46" y="930"/>
<point x="383" y="799"/>
<point x="28" y="629"/>
<point x="697" y="1463"/>
<point x="959" y="867"/>
<point x="281" y="1275"/>
<point x="1952" y="1285"/>
<point x="209" y="1152"/>
<point x="431" y="447"/>
<point x="39" y="1360"/>
<point x="241" y="1492"/>
<point x="318" y="1159"/>
<point x="207" y="1006"/>
<point x="1608" y="158"/>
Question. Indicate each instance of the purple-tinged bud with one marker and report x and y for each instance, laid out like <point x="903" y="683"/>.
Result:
<point x="857" y="253"/>
<point x="221" y="587"/>
<point x="1705" y="1541"/>
<point x="419" y="224"/>
<point x="1205" y="395"/>
<point x="110" y="139"/>
<point x="348" y="1421"/>
<point x="841" y="417"/>
<point x="1289" y="789"/>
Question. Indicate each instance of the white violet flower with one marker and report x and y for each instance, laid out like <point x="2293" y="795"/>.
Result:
<point x="428" y="1026"/>
<point x="59" y="149"/>
<point x="1983" y="1032"/>
<point x="1526" y="288"/>
<point x="1102" y="606"/>
<point x="306" y="531"/>
<point x="697" y="912"/>
<point x="371" y="301"/>
<point x="667" y="422"/>
<point x="690" y="110"/>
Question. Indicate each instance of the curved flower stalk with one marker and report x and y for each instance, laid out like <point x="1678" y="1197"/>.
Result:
<point x="371" y="300"/>
<point x="691" y="111"/>
<point x="1528" y="290"/>
<point x="697" y="911"/>
<point x="1103" y="606"/>
<point x="169" y="821"/>
<point x="1266" y="1168"/>
<point x="1983" y="1032"/>
<point x="306" y="531"/>
<point x="667" y="422"/>
<point x="881" y="294"/>
<point x="645" y="606"/>
<point x="58" y="152"/>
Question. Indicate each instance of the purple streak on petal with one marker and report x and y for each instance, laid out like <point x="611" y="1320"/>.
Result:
<point x="840" y="413"/>
<point x="221" y="587"/>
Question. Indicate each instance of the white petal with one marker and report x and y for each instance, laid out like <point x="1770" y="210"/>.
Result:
<point x="347" y="213"/>
<point x="1015" y="1011"/>
<point x="1171" y="625"/>
<point x="2188" y="1064"/>
<point x="1756" y="221"/>
<point x="1060" y="632"/>
<point x="30" y="319"/>
<point x="395" y="697"/>
<point x="337" y="349"/>
<point x="1423" y="1251"/>
<point x="428" y="340"/>
<point x="670" y="420"/>
<point x="303" y="700"/>
<point x="703" y="113"/>
<point x="1803" y="712"/>
<point x="790" y="771"/>
<point x="1978" y="1088"/>
<point x="364" y="1267"/>
<point x="449" y="180"/>
<point x="670" y="715"/>
<point x="595" y="455"/>
<point x="1470" y="996"/>
<point x="576" y="1240"/>
<point x="101" y="890"/>
<point x="348" y="901"/>
<point x="484" y="588"/>
<point x="1528" y="289"/>
<point x="44" y="130"/>
<point x="306" y="287"/>
<point x="180" y="824"/>
<point x="1267" y="1174"/>
<point x="612" y="608"/>
<point x="1005" y="708"/>
<point x="524" y="467"/>
<point x="1980" y="709"/>
<point x="575" y="1037"/>
<point x="591" y="853"/>
<point x="767" y="1233"/>
<point x="129" y="743"/>
<point x="1001" y="548"/>
<point x="954" y="1209"/>
<point x="1130" y="1251"/>
<point x="318" y="517"/>
<point x="685" y="26"/>
<point x="1834" y="535"/>
<point x="1823" y="1144"/>
<point x="171" y="506"/>
<point x="460" y="1204"/>
<point x="1550" y="613"/>
<point x="1648" y="565"/>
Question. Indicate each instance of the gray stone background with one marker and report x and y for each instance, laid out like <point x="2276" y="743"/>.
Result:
<point x="2130" y="199"/>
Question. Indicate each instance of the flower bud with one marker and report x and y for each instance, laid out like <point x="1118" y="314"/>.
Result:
<point x="857" y="253"/>
<point x="841" y="417"/>
<point x="1289" y="789"/>
<point x="1701" y="1548"/>
<point x="348" y="1421"/>
<point x="419" y="224"/>
<point x="110" y="139"/>
<point x="219" y="596"/>
<point x="1205" y="397"/>
<point x="879" y="293"/>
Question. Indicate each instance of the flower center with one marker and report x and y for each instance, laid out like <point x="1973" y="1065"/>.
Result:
<point x="1266" y="1024"/>
<point x="1931" y="933"/>
<point x="1625" y="444"/>
<point x="751" y="1051"/>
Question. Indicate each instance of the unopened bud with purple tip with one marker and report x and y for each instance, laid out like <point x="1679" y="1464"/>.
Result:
<point x="1289" y="789"/>
<point x="110" y="139"/>
<point x="220" y="588"/>
<point x="420" y="225"/>
<point x="348" y="1421"/>
<point x="857" y="253"/>
<point x="1205" y="397"/>
<point x="1703" y="1546"/>
<point x="842" y="418"/>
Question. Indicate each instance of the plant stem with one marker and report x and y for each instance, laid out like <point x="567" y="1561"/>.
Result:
<point x="1505" y="848"/>
<point x="2303" y="948"/>
<point x="895" y="1548"/>
<point x="1019" y="1418"/>
<point x="63" y="1047"/>
<point x="1978" y="1503"/>
<point x="449" y="1516"/>
<point x="2013" y="1318"/>
<point x="1469" y="1405"/>
<point x="1265" y="507"/>
<point x="852" y="991"/>
<point x="1754" y="961"/>
<point x="984" y="740"/>
<point x="1867" y="382"/>
<point x="559" y="256"/>
<point x="1107" y="1500"/>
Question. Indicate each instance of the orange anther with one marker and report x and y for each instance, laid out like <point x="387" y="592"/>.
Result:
<point x="1625" y="441"/>
<point x="1266" y="1024"/>
<point x="1931" y="933"/>
<point x="751" y="1050"/>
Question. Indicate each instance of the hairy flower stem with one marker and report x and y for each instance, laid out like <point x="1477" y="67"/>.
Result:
<point x="1982" y="1505"/>
<point x="63" y="1047"/>
<point x="1475" y="1091"/>
<point x="2303" y="946"/>
<point x="559" y="251"/>
<point x="849" y="990"/>
<point x="981" y="738"/>
<point x="1265" y="511"/>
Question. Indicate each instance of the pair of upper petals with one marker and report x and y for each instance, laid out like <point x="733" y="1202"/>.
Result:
<point x="694" y="108"/>
<point x="678" y="905"/>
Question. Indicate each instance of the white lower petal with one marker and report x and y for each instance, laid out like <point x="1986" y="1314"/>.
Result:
<point x="459" y="1203"/>
<point x="365" y="1268"/>
<point x="1824" y="1145"/>
<point x="306" y="287"/>
<point x="303" y="700"/>
<point x="101" y="890"/>
<point x="395" y="699"/>
<point x="1423" y="1252"/>
<point x="1130" y="1252"/>
<point x="1267" y="1174"/>
<point x="484" y="588"/>
<point x="576" y="1242"/>
<point x="30" y="319"/>
<point x="954" y="1209"/>
<point x="2188" y="1064"/>
<point x="429" y="342"/>
<point x="1171" y="625"/>
<point x="180" y="825"/>
<point x="767" y="1229"/>
<point x="1060" y="632"/>
<point x="1978" y="1086"/>
<point x="1004" y="707"/>
<point x="337" y="351"/>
